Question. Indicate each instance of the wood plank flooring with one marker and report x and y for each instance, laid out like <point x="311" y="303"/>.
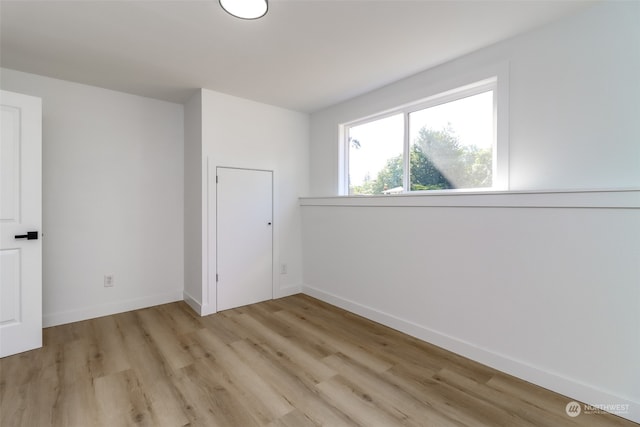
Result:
<point x="293" y="362"/>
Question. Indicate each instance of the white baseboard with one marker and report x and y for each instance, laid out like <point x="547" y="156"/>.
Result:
<point x="288" y="291"/>
<point x="566" y="386"/>
<point x="205" y="309"/>
<point x="201" y="309"/>
<point x="192" y="302"/>
<point x="70" y="316"/>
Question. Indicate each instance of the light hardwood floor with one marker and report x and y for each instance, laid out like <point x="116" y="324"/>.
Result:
<point x="291" y="362"/>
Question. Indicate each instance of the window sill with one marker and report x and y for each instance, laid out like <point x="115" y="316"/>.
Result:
<point x="603" y="199"/>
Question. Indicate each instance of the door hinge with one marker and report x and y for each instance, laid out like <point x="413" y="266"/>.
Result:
<point x="216" y="179"/>
<point x="216" y="277"/>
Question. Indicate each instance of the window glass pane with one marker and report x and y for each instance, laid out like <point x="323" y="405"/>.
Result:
<point x="375" y="156"/>
<point x="452" y="144"/>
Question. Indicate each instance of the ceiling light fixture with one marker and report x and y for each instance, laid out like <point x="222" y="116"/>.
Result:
<point x="245" y="9"/>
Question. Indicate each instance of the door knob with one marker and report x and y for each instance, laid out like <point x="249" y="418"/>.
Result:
<point x="31" y="235"/>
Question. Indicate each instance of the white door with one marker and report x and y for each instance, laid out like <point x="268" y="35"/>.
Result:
<point x="20" y="218"/>
<point x="244" y="237"/>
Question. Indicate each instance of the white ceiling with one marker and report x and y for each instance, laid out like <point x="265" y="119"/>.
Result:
<point x="304" y="54"/>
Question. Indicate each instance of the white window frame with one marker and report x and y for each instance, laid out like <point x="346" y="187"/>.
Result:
<point x="496" y="81"/>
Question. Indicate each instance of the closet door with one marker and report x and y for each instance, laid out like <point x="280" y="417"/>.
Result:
<point x="244" y="246"/>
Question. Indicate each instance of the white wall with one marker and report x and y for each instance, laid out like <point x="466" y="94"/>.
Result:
<point x="573" y="104"/>
<point x="543" y="286"/>
<point x="240" y="133"/>
<point x="194" y="220"/>
<point x="112" y="198"/>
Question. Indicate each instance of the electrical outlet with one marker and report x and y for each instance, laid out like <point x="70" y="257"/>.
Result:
<point x="108" y="281"/>
<point x="283" y="269"/>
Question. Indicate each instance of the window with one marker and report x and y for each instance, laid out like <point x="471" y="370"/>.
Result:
<point x="446" y="142"/>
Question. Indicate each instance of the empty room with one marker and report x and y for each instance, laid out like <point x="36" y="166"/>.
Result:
<point x="320" y="213"/>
